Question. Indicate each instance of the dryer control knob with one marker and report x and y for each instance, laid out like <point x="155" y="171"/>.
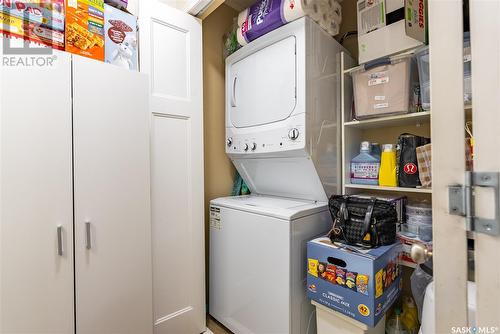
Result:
<point x="254" y="146"/>
<point x="245" y="147"/>
<point x="293" y="134"/>
<point x="229" y="141"/>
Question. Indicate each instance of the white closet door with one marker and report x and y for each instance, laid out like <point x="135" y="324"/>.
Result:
<point x="485" y="42"/>
<point x="171" y="54"/>
<point x="36" y="281"/>
<point x="112" y="199"/>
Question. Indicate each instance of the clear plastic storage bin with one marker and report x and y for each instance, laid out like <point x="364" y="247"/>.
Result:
<point x="383" y="87"/>
<point x="423" y="72"/>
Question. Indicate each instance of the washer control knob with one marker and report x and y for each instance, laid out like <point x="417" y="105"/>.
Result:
<point x="293" y="134"/>
<point x="229" y="141"/>
<point x="245" y="147"/>
<point x="254" y="146"/>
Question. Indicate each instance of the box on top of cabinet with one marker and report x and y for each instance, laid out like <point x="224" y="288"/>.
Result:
<point x="121" y="38"/>
<point x="359" y="283"/>
<point x="85" y="28"/>
<point x="47" y="13"/>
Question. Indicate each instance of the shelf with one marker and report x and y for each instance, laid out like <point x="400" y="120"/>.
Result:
<point x="394" y="189"/>
<point x="389" y="121"/>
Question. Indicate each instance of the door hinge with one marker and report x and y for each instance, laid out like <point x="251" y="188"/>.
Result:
<point x="461" y="201"/>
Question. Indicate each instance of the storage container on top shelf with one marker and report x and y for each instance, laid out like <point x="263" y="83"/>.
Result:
<point x="384" y="87"/>
<point x="422" y="56"/>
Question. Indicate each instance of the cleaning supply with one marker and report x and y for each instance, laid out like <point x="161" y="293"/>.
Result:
<point x="395" y="325"/>
<point x="365" y="166"/>
<point x="375" y="150"/>
<point x="388" y="167"/>
<point x="409" y="318"/>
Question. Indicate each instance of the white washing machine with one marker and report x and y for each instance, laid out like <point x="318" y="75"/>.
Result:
<point x="258" y="263"/>
<point x="283" y="136"/>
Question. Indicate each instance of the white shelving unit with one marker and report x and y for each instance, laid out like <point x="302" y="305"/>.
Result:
<point x="382" y="130"/>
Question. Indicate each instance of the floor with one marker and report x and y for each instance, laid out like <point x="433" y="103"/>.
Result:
<point x="215" y="327"/>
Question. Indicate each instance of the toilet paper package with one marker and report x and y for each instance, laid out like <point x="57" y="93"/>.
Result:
<point x="267" y="15"/>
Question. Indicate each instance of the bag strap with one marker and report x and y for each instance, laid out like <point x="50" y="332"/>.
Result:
<point x="368" y="219"/>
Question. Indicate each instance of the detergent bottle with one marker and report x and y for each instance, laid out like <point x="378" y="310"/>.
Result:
<point x="365" y="166"/>
<point x="388" y="167"/>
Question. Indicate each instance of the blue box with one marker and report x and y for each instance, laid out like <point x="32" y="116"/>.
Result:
<point x="360" y="283"/>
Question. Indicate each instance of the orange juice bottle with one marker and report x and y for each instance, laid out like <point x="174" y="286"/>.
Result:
<point x="388" y="168"/>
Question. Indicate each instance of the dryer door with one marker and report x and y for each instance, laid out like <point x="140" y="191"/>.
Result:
<point x="262" y="86"/>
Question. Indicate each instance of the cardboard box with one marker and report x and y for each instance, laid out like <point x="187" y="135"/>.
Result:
<point x="12" y="26"/>
<point x="117" y="3"/>
<point x="85" y="28"/>
<point x="120" y="38"/>
<point x="387" y="27"/>
<point x="47" y="13"/>
<point x="358" y="283"/>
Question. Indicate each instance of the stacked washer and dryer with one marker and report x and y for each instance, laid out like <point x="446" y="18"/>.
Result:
<point x="283" y="134"/>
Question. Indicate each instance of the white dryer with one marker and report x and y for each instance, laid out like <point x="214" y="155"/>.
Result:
<point x="283" y="112"/>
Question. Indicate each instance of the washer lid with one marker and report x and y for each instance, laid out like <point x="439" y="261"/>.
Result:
<point x="278" y="207"/>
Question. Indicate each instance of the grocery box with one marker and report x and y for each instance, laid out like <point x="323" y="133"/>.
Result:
<point x="387" y="27"/>
<point x="48" y="13"/>
<point x="385" y="87"/>
<point x="13" y="26"/>
<point x="85" y="28"/>
<point x="359" y="283"/>
<point x="120" y="46"/>
<point x="117" y="3"/>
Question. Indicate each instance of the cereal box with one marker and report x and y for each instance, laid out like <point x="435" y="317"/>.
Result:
<point x="359" y="283"/>
<point x="117" y="3"/>
<point x="85" y="28"/>
<point x="121" y="38"/>
<point x="47" y="13"/>
<point x="12" y="26"/>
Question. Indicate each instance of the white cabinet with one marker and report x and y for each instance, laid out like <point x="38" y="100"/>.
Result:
<point x="74" y="149"/>
<point x="36" y="283"/>
<point x="113" y="271"/>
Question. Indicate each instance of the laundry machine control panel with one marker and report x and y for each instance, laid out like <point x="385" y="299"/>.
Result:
<point x="272" y="140"/>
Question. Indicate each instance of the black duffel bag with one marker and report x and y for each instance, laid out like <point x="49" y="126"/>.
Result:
<point x="366" y="222"/>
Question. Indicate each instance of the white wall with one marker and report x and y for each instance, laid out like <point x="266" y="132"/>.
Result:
<point x="133" y="5"/>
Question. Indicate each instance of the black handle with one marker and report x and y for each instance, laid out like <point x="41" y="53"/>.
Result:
<point x="377" y="62"/>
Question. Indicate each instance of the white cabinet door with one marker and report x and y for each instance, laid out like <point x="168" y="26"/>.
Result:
<point x="36" y="281"/>
<point x="485" y="42"/>
<point x="112" y="199"/>
<point x="171" y="54"/>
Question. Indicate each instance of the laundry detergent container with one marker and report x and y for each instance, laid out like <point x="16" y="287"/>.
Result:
<point x="383" y="87"/>
<point x="422" y="56"/>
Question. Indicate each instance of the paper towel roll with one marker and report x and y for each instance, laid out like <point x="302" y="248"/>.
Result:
<point x="242" y="17"/>
<point x="239" y="36"/>
<point x="314" y="11"/>
<point x="293" y="10"/>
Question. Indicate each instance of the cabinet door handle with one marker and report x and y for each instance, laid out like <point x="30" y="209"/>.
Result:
<point x="59" y="241"/>
<point x="88" y="237"/>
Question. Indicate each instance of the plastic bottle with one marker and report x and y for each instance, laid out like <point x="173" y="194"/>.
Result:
<point x="365" y="166"/>
<point x="375" y="150"/>
<point x="395" y="325"/>
<point x="409" y="318"/>
<point x="388" y="167"/>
